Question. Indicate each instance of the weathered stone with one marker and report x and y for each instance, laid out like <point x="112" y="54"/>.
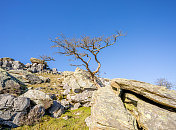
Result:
<point x="33" y="79"/>
<point x="11" y="108"/>
<point x="149" y="115"/>
<point x="66" y="92"/>
<point x="45" y="79"/>
<point x="26" y="77"/>
<point x="17" y="65"/>
<point x="33" y="69"/>
<point x="34" y="116"/>
<point x="36" y="113"/>
<point x="83" y="97"/>
<point x="54" y="71"/>
<point x="65" y="117"/>
<point x="88" y="104"/>
<point x="88" y="121"/>
<point x="79" y="80"/>
<point x="65" y="103"/>
<point x="66" y="86"/>
<point x="8" y="83"/>
<point x="155" y="93"/>
<point x="76" y="106"/>
<point x="6" y="59"/>
<point x="39" y="67"/>
<point x="28" y="65"/>
<point x="56" y="110"/>
<point x="38" y="97"/>
<point x="6" y="64"/>
<point x="38" y="61"/>
<point x="108" y="111"/>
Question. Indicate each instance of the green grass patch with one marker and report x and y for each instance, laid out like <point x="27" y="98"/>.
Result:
<point x="76" y="121"/>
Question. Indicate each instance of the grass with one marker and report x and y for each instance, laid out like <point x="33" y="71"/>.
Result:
<point x="76" y="121"/>
<point x="54" y="87"/>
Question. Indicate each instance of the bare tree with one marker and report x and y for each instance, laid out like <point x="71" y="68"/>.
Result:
<point x="45" y="58"/>
<point x="164" y="82"/>
<point x="85" y="49"/>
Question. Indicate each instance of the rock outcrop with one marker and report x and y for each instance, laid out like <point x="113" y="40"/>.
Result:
<point x="38" y="61"/>
<point x="155" y="93"/>
<point x="9" y="84"/>
<point x="37" y="65"/>
<point x="152" y="106"/>
<point x="150" y="116"/>
<point x="38" y="97"/>
<point x="9" y="63"/>
<point x="108" y="111"/>
<point x="11" y="108"/>
<point x="28" y="77"/>
<point x="79" y="80"/>
<point x="56" y="110"/>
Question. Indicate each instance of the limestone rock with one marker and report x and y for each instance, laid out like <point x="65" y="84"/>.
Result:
<point x="56" y="110"/>
<point x="28" y="65"/>
<point x="79" y="80"/>
<point x="6" y="64"/>
<point x="8" y="83"/>
<point x="38" y="61"/>
<point x="65" y="103"/>
<point x="6" y="59"/>
<point x="33" y="79"/>
<point x="9" y="63"/>
<point x="45" y="79"/>
<point x="26" y="77"/>
<point x="76" y="106"/>
<point x="66" y="92"/>
<point x="150" y="116"/>
<point x="17" y="65"/>
<point x="83" y="97"/>
<point x="66" y="86"/>
<point x="108" y="111"/>
<point x="54" y="71"/>
<point x="11" y="108"/>
<point x="35" y="114"/>
<point x="155" y="93"/>
<point x="38" y="97"/>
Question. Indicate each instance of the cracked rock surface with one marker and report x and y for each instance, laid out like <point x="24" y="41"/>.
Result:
<point x="108" y="111"/>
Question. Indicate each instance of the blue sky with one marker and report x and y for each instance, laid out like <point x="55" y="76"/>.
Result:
<point x="146" y="53"/>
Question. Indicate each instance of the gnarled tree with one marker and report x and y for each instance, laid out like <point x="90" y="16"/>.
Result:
<point x="44" y="59"/>
<point x="85" y="49"/>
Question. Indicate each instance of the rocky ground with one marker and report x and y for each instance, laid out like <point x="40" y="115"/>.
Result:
<point x="33" y="96"/>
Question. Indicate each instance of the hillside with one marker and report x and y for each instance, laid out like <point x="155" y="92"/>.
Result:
<point x="33" y="96"/>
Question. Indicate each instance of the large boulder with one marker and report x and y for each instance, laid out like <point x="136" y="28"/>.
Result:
<point x="38" y="61"/>
<point x="150" y="116"/>
<point x="108" y="111"/>
<point x="8" y="83"/>
<point x="155" y="93"/>
<point x="17" y="65"/>
<point x="9" y="63"/>
<point x="39" y="98"/>
<point x="26" y="77"/>
<point x="79" y="80"/>
<point x="56" y="110"/>
<point x="33" y="117"/>
<point x="6" y="59"/>
<point x="33" y="79"/>
<point x="11" y="108"/>
<point x="83" y="97"/>
<point x="6" y="64"/>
